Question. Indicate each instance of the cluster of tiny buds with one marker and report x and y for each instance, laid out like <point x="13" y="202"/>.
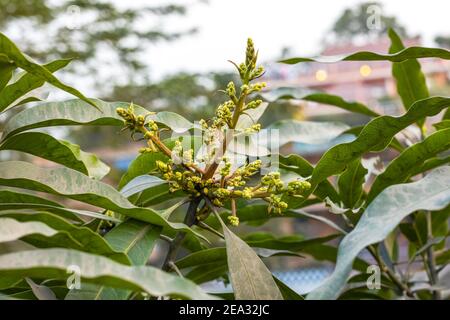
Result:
<point x="221" y="185"/>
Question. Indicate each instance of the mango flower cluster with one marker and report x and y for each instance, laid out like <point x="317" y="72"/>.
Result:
<point x="211" y="175"/>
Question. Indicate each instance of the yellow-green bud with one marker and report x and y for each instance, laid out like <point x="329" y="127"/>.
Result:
<point x="234" y="221"/>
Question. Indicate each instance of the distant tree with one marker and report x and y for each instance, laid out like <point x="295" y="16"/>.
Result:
<point x="364" y="20"/>
<point x="443" y="41"/>
<point x="107" y="40"/>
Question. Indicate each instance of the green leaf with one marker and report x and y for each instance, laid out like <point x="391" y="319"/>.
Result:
<point x="59" y="151"/>
<point x="375" y="136"/>
<point x="444" y="124"/>
<point x="351" y="183"/>
<point x="41" y="292"/>
<point x="64" y="234"/>
<point x="411" y="83"/>
<point x="27" y="83"/>
<point x="77" y="186"/>
<point x="140" y="184"/>
<point x="309" y="132"/>
<point x="6" y="71"/>
<point x="65" y="113"/>
<point x="8" y="48"/>
<point x="53" y="264"/>
<point x="144" y="163"/>
<point x="134" y="238"/>
<point x="250" y="278"/>
<point x="323" y="98"/>
<point x="11" y="229"/>
<point x="406" y="164"/>
<point x="408" y="53"/>
<point x="251" y="117"/>
<point x="380" y="218"/>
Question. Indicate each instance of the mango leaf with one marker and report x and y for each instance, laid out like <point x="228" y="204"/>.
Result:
<point x="70" y="112"/>
<point x="134" y="238"/>
<point x="140" y="184"/>
<point x="75" y="185"/>
<point x="7" y="68"/>
<point x="405" y="54"/>
<point x="444" y="124"/>
<point x="411" y="83"/>
<point x="323" y="98"/>
<point x="27" y="83"/>
<point x="309" y="132"/>
<point x="74" y="112"/>
<point x="41" y="292"/>
<point x="8" y="48"/>
<point x="11" y="230"/>
<point x="54" y="263"/>
<point x="143" y="164"/>
<point x="351" y="183"/>
<point x="402" y="167"/>
<point x="430" y="165"/>
<point x="380" y="218"/>
<point x="250" y="278"/>
<point x="59" y="151"/>
<point x="375" y="136"/>
<point x="64" y="234"/>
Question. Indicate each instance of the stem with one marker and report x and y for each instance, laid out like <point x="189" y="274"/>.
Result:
<point x="431" y="262"/>
<point x="189" y="220"/>
<point x="401" y="286"/>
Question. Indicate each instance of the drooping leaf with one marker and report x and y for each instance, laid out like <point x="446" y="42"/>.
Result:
<point x="7" y="68"/>
<point x="75" y="185"/>
<point x="27" y="83"/>
<point x="250" y="278"/>
<point x="380" y="218"/>
<point x="375" y="136"/>
<point x="59" y="151"/>
<point x="351" y="183"/>
<point x="444" y="124"/>
<point x="54" y="263"/>
<point x="65" y="235"/>
<point x="41" y="292"/>
<point x="134" y="238"/>
<point x="405" y="54"/>
<point x="406" y="164"/>
<point x="411" y="83"/>
<point x="9" y="49"/>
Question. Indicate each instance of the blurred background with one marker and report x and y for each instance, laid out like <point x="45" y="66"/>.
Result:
<point x="172" y="55"/>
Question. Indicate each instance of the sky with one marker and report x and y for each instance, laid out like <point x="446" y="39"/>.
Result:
<point x="224" y="26"/>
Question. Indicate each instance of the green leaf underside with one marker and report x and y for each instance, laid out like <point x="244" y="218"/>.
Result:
<point x="75" y="112"/>
<point x="408" y="53"/>
<point x="75" y="185"/>
<point x="406" y="164"/>
<point x="380" y="218"/>
<point x="351" y="183"/>
<point x="59" y="151"/>
<point x="54" y="263"/>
